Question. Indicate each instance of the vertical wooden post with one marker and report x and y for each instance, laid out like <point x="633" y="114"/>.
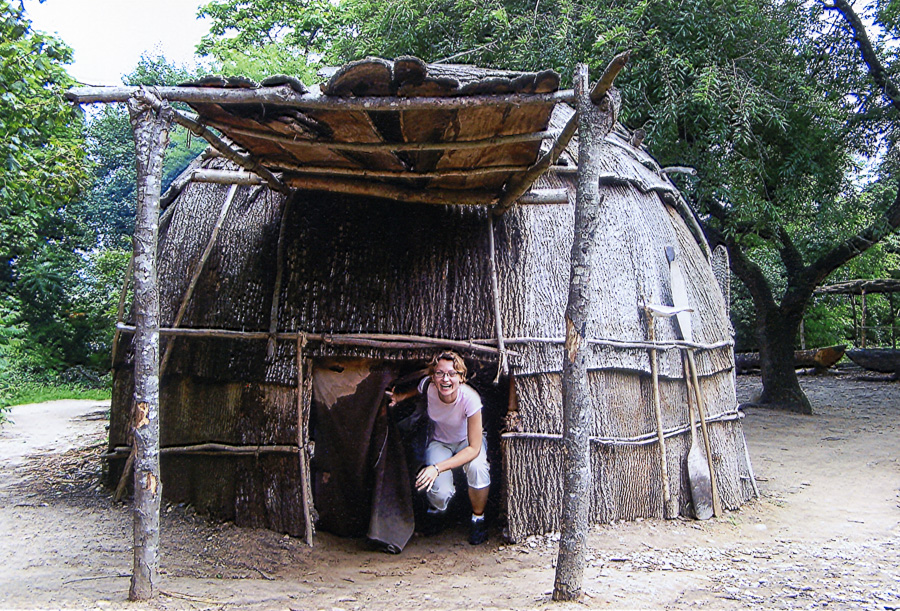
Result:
<point x="597" y="112"/>
<point x="503" y="366"/>
<point x="279" y="274"/>
<point x="151" y="136"/>
<point x="670" y="509"/>
<point x="303" y="441"/>
<point x="893" y="321"/>
<point x="855" y="320"/>
<point x="862" y="320"/>
<point x="120" y="316"/>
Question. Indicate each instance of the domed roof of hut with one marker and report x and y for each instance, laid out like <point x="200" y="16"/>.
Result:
<point x="421" y="216"/>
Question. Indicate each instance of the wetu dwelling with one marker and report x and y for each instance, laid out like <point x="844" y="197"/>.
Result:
<point x="399" y="209"/>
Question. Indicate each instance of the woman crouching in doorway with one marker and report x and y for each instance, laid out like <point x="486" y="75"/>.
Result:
<point x="457" y="442"/>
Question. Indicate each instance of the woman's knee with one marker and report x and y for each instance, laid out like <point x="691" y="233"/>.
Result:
<point x="478" y="472"/>
<point x="443" y="490"/>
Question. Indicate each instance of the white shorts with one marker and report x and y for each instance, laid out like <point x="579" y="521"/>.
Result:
<point x="478" y="471"/>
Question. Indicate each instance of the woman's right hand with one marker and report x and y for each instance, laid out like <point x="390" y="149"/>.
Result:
<point x="426" y="478"/>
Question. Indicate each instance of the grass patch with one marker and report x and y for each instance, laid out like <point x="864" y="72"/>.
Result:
<point x="38" y="393"/>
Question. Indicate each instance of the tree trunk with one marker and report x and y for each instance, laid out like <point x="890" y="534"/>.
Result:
<point x="594" y="122"/>
<point x="151" y="136"/>
<point x="776" y="331"/>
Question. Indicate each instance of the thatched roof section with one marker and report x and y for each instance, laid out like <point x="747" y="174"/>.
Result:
<point x="858" y="287"/>
<point x="425" y="138"/>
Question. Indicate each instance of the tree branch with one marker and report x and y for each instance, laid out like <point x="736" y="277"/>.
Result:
<point x="858" y="244"/>
<point x="876" y="69"/>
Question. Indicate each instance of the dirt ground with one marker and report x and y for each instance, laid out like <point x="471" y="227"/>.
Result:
<point x="823" y="534"/>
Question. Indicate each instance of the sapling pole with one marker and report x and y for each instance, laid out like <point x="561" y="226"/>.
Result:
<point x="151" y="136"/>
<point x="595" y="120"/>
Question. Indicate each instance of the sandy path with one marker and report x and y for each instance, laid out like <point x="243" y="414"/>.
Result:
<point x="826" y="532"/>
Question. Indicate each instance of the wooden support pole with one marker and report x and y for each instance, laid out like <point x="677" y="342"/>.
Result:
<point x="701" y="410"/>
<point x="212" y="449"/>
<point x="303" y="442"/>
<point x="294" y="168"/>
<point x="195" y="277"/>
<point x="284" y="95"/>
<point x="544" y="196"/>
<point x="369" y="188"/>
<point x="276" y="292"/>
<point x="368" y="147"/>
<point x="120" y="315"/>
<point x="862" y="321"/>
<point x="151" y="136"/>
<point x="503" y="365"/>
<point x="670" y="510"/>
<point x="226" y="177"/>
<point x="388" y="340"/>
<point x="594" y="123"/>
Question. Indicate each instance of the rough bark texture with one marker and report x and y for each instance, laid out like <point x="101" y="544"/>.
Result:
<point x="593" y="125"/>
<point x="151" y="136"/>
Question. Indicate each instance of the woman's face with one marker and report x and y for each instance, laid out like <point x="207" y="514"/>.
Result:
<point x="446" y="380"/>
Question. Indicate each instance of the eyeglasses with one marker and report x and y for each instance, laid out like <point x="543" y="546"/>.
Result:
<point x="446" y="374"/>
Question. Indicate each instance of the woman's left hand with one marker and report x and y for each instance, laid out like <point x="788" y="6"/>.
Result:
<point x="426" y="478"/>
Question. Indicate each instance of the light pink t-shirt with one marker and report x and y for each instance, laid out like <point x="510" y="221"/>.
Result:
<point x="450" y="419"/>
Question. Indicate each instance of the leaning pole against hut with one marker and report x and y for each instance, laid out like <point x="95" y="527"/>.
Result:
<point x="595" y="112"/>
<point x="151" y="123"/>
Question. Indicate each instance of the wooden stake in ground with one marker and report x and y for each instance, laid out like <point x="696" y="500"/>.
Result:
<point x="151" y="136"/>
<point x="595" y="120"/>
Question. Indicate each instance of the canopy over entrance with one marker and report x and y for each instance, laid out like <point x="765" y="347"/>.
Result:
<point x="401" y="130"/>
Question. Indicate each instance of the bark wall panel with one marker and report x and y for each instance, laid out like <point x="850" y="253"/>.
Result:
<point x="196" y="412"/>
<point x="120" y="421"/>
<point x="267" y="494"/>
<point x="268" y="415"/>
<point x="628" y="479"/>
<point x="205" y="482"/>
<point x="384" y="267"/>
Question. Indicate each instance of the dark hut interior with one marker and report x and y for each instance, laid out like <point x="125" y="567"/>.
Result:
<point x="335" y="237"/>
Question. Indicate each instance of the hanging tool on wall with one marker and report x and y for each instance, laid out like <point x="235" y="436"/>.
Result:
<point x="652" y="312"/>
<point x="680" y="300"/>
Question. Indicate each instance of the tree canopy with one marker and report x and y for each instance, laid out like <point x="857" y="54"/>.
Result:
<point x="41" y="146"/>
<point x="770" y="101"/>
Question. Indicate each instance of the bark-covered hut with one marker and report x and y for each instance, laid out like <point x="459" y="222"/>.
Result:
<point x="285" y="315"/>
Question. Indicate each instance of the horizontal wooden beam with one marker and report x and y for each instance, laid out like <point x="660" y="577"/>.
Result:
<point x="368" y="188"/>
<point x="545" y="196"/>
<point x="226" y="177"/>
<point x="364" y="147"/>
<point x="365" y="173"/>
<point x="858" y="287"/>
<point x="637" y="440"/>
<point x="211" y="448"/>
<point x="284" y="95"/>
<point x="373" y="340"/>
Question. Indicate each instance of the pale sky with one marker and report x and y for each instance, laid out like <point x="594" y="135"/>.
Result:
<point x="109" y="36"/>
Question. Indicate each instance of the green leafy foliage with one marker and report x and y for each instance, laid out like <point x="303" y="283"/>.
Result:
<point x="41" y="150"/>
<point x="259" y="38"/>
<point x="768" y="100"/>
<point x="64" y="289"/>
